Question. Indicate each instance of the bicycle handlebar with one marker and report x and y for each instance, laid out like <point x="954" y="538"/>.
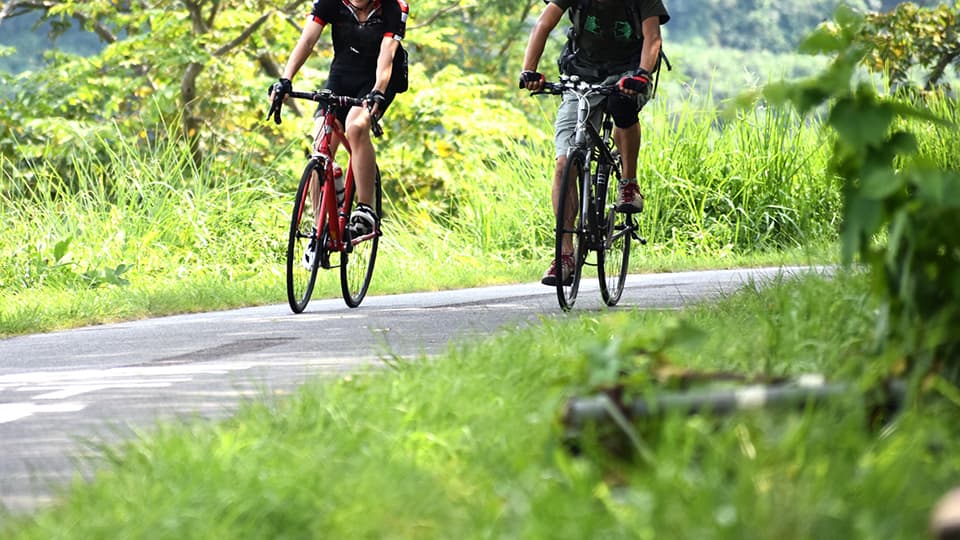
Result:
<point x="327" y="98"/>
<point x="574" y="84"/>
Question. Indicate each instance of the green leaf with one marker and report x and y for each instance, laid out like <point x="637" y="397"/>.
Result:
<point x="778" y="93"/>
<point x="825" y="39"/>
<point x="61" y="248"/>
<point x="881" y="183"/>
<point x="910" y="111"/>
<point x="860" y="122"/>
<point x="903" y="143"/>
<point x="849" y="19"/>
<point x="862" y="219"/>
<point x="938" y="187"/>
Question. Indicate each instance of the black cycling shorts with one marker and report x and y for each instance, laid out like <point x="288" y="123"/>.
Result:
<point x="344" y="83"/>
<point x="624" y="109"/>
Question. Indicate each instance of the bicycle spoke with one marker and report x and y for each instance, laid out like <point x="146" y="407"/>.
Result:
<point x="356" y="269"/>
<point x="613" y="259"/>
<point x="303" y="245"/>
<point x="570" y="233"/>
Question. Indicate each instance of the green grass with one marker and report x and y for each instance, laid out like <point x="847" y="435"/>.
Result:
<point x="467" y="445"/>
<point x="121" y="230"/>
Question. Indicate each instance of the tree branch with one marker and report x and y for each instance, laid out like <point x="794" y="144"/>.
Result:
<point x="214" y="9"/>
<point x="16" y="9"/>
<point x="196" y="16"/>
<point x="7" y="8"/>
<point x="938" y="70"/>
<point x="235" y="42"/>
<point x="438" y="14"/>
<point x="513" y="34"/>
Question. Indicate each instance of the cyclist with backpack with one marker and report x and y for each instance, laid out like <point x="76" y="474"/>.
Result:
<point x="368" y="63"/>
<point x="610" y="41"/>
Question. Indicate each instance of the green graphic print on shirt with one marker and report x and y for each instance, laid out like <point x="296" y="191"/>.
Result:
<point x="622" y="30"/>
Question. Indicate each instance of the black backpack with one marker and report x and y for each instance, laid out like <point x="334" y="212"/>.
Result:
<point x="573" y="33"/>
<point x="399" y="80"/>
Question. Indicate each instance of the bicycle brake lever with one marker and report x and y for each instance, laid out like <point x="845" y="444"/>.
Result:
<point x="275" y="110"/>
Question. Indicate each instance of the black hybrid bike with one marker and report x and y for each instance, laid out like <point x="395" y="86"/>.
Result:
<point x="588" y="198"/>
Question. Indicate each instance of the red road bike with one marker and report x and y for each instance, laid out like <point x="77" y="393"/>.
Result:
<point x="319" y="236"/>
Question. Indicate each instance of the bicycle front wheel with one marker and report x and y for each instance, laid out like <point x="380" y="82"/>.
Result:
<point x="304" y="246"/>
<point x="613" y="256"/>
<point x="356" y="267"/>
<point x="570" y="242"/>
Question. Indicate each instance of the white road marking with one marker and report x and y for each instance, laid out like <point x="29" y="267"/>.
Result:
<point x="15" y="411"/>
<point x="83" y="389"/>
<point x="57" y="385"/>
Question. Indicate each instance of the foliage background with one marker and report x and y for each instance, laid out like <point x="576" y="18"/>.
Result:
<point x="149" y="149"/>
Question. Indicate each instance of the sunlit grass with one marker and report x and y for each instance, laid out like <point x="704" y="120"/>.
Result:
<point x="468" y="446"/>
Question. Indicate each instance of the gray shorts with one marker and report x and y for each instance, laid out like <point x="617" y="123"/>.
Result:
<point x="566" y="122"/>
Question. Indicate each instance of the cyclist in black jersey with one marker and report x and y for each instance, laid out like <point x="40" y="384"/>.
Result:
<point x="366" y="38"/>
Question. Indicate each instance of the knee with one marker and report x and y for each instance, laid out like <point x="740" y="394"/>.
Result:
<point x="624" y="110"/>
<point x="357" y="129"/>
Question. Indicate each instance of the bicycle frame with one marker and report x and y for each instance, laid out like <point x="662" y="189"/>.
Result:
<point x="338" y="239"/>
<point x="587" y="138"/>
<point x="321" y="149"/>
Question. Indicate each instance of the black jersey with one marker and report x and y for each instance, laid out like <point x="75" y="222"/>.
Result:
<point x="356" y="45"/>
<point x="608" y="37"/>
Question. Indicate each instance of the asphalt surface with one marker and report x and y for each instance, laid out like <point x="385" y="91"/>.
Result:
<point x="64" y="395"/>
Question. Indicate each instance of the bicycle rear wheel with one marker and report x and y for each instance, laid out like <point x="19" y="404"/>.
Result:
<point x="356" y="266"/>
<point x="571" y="222"/>
<point x="304" y="246"/>
<point x="613" y="257"/>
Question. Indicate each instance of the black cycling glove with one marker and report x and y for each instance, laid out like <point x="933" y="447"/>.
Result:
<point x="376" y="97"/>
<point x="280" y="88"/>
<point x="527" y="76"/>
<point x="639" y="82"/>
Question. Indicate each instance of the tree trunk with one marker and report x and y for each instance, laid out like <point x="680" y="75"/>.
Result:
<point x="938" y="70"/>
<point x="191" y="120"/>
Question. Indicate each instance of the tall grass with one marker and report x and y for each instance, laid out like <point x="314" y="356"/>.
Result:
<point x="938" y="144"/>
<point x="758" y="182"/>
<point x="141" y="231"/>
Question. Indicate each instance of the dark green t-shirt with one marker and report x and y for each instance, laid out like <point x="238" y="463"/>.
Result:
<point x="609" y="39"/>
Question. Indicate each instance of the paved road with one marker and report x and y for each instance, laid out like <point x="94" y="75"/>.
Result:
<point x="64" y="393"/>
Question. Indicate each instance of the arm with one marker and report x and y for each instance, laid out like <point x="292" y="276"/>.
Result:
<point x="303" y="48"/>
<point x="652" y="41"/>
<point x="546" y="22"/>
<point x="375" y="99"/>
<point x="388" y="48"/>
<point x="640" y="81"/>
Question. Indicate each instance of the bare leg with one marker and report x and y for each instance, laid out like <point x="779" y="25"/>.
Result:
<point x="628" y="143"/>
<point x="572" y="203"/>
<point x="363" y="160"/>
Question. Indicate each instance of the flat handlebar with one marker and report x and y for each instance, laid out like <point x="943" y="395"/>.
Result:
<point x="574" y="84"/>
<point x="326" y="98"/>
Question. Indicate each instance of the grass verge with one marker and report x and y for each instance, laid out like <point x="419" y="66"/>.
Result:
<point x="467" y="445"/>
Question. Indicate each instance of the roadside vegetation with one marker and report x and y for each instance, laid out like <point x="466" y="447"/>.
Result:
<point x="472" y="443"/>
<point x="117" y="232"/>
<point x="469" y="444"/>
